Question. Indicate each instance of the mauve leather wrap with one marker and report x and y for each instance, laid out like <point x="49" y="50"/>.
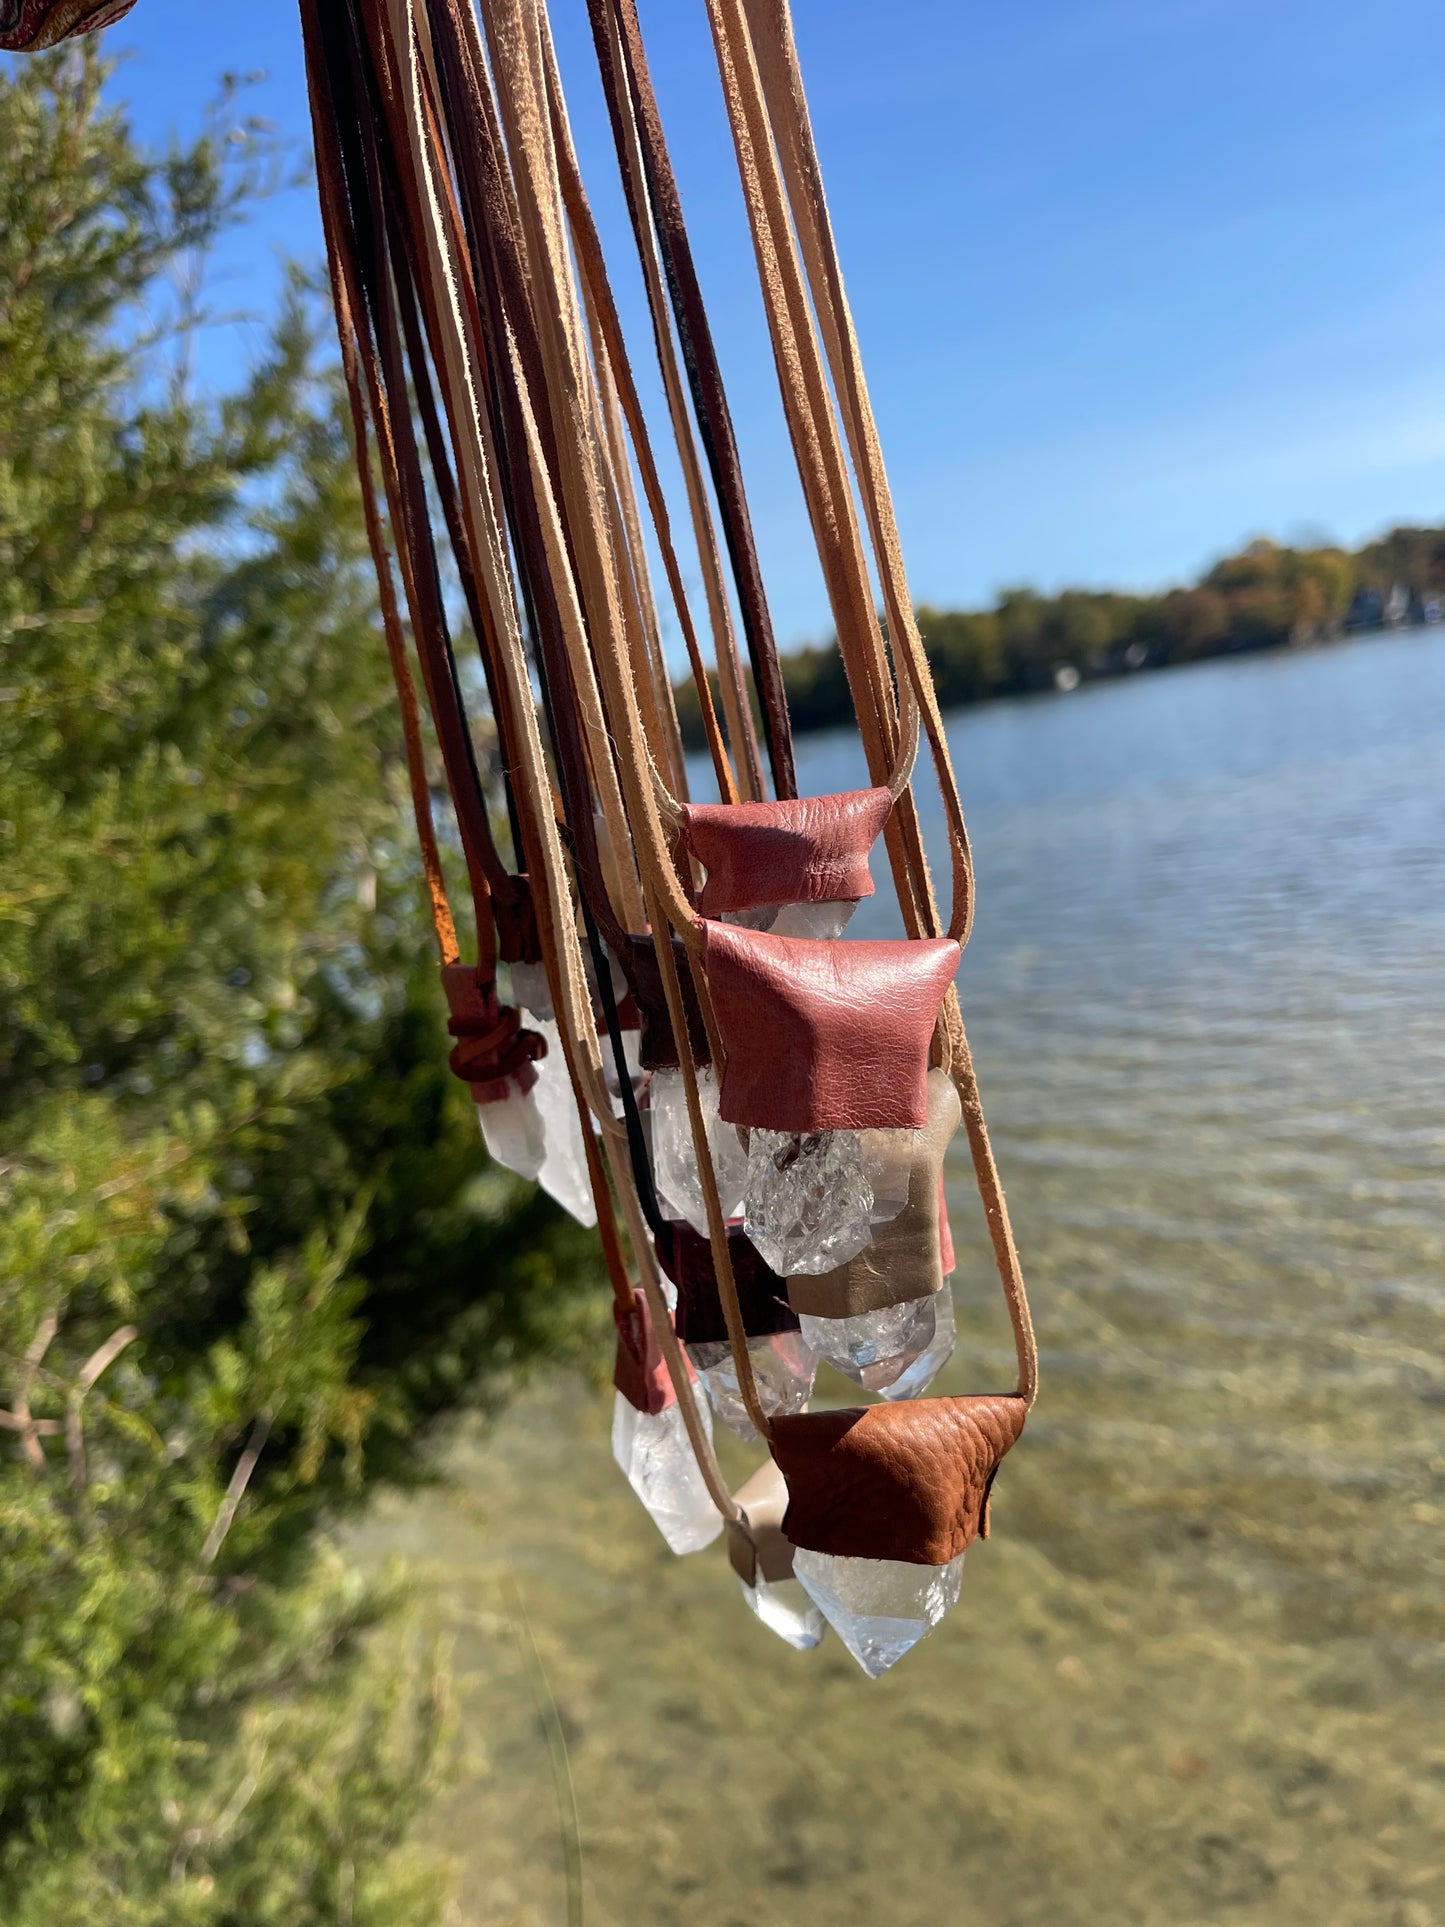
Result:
<point x="825" y="1036"/>
<point x="27" y="26"/>
<point x="686" y="1256"/>
<point x="908" y="1481"/>
<point x="640" y="1373"/>
<point x="813" y="849"/>
<point x="904" y="1257"/>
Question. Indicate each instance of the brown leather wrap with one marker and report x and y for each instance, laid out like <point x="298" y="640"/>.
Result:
<point x="640" y="966"/>
<point x="28" y="26"/>
<point x="756" y="1545"/>
<point x="492" y="1049"/>
<point x="640" y="1373"/>
<point x="908" y="1481"/>
<point x="825" y="1036"/>
<point x="686" y="1256"/>
<point x="903" y="1259"/>
<point x="811" y="849"/>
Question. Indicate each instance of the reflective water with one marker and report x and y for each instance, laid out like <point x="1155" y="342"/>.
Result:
<point x="1196" y="1675"/>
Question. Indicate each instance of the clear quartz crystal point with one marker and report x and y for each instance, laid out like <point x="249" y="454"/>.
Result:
<point x="675" y="1173"/>
<point x="657" y="1460"/>
<point x="631" y="1052"/>
<point x="530" y="989"/>
<point x="916" y="1378"/>
<point x="782" y="1365"/>
<point x="513" y="1132"/>
<point x="888" y="1159"/>
<point x="879" y="1608"/>
<point x="825" y="920"/>
<point x="876" y="1348"/>
<point x="818" y="920"/>
<point x="785" y="1608"/>
<point x="807" y="1201"/>
<point x="563" y="1175"/>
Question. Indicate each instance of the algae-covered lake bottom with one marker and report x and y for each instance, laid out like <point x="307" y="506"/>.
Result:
<point x="1197" y="1672"/>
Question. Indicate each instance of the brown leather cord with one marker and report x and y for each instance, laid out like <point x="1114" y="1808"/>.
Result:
<point x="521" y="94"/>
<point x="778" y="76"/>
<point x="348" y="202"/>
<point x="607" y="334"/>
<point x="782" y="82"/>
<point x="704" y="374"/>
<point x="507" y="318"/>
<point x="539" y="831"/>
<point x="632" y="555"/>
<point x="821" y="464"/>
<point x="596" y="736"/>
<point x="732" y="689"/>
<point x="441" y="914"/>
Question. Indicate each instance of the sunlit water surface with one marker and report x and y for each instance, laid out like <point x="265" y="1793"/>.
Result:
<point x="1196" y="1673"/>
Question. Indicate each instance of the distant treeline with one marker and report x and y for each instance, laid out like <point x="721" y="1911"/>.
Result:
<point x="1265" y="597"/>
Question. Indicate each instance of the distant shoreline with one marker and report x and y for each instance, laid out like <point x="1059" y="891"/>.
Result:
<point x="1264" y="599"/>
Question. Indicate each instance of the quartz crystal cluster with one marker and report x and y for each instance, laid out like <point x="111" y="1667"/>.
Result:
<point x="810" y="1201"/>
<point x="675" y="1173"/>
<point x="657" y="1460"/>
<point x="896" y="1351"/>
<point x="783" y="1366"/>
<point x="879" y="1608"/>
<point x="807" y="1201"/>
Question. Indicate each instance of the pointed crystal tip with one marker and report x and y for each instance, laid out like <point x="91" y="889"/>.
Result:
<point x="879" y="1349"/>
<point x="656" y="1457"/>
<point x="879" y="1608"/>
<point x="784" y="1608"/>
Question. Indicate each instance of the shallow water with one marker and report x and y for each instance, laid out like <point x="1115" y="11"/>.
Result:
<point x="1196" y="1674"/>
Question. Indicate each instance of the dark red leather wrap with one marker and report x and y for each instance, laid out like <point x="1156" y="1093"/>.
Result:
<point x="825" y="1036"/>
<point x="813" y="849"/>
<point x="907" y="1481"/>
<point x="686" y="1256"/>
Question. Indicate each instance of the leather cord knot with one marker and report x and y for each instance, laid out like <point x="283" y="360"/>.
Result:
<point x="492" y="1049"/>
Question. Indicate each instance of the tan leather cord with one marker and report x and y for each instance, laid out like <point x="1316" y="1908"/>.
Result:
<point x="632" y="553"/>
<point x="628" y="85"/>
<point x="770" y="25"/>
<point x="782" y="81"/>
<point x="568" y="982"/>
<point x="610" y="346"/>
<point x="517" y="65"/>
<point x="821" y="464"/>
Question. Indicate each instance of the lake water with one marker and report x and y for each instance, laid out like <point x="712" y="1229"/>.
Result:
<point x="1196" y="1675"/>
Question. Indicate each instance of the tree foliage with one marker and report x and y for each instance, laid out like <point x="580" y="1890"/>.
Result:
<point x="249" y="1242"/>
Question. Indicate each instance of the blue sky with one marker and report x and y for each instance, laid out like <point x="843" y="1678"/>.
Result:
<point x="1134" y="278"/>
